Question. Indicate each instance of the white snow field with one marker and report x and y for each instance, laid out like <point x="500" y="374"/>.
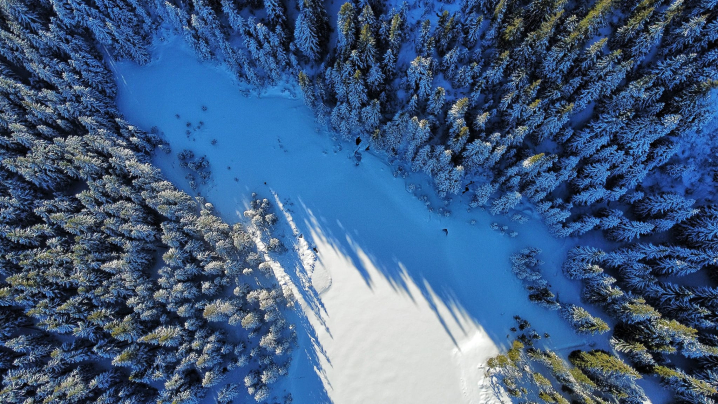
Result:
<point x="391" y="309"/>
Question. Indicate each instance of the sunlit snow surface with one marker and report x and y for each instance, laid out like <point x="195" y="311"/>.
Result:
<point x="393" y="310"/>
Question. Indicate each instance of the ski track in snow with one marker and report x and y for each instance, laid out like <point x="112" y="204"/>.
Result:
<point x="390" y="309"/>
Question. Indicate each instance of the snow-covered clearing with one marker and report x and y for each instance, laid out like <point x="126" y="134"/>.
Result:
<point x="393" y="310"/>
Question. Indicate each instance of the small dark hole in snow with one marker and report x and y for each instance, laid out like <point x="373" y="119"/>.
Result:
<point x="358" y="140"/>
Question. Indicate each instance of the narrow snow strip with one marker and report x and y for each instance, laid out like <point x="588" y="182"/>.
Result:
<point x="312" y="277"/>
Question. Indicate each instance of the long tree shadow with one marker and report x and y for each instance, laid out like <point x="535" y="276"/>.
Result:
<point x="302" y="264"/>
<point x="342" y="249"/>
<point x="467" y="271"/>
<point x="308" y="375"/>
<point x="292" y="269"/>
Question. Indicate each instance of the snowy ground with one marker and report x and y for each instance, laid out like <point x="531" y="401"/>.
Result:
<point x="393" y="310"/>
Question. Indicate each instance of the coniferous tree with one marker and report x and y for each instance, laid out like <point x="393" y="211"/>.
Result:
<point x="311" y="29"/>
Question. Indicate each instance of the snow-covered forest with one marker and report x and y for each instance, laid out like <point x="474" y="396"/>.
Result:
<point x="450" y="201"/>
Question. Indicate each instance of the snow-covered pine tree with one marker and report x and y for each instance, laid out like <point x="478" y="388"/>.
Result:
<point x="311" y="29"/>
